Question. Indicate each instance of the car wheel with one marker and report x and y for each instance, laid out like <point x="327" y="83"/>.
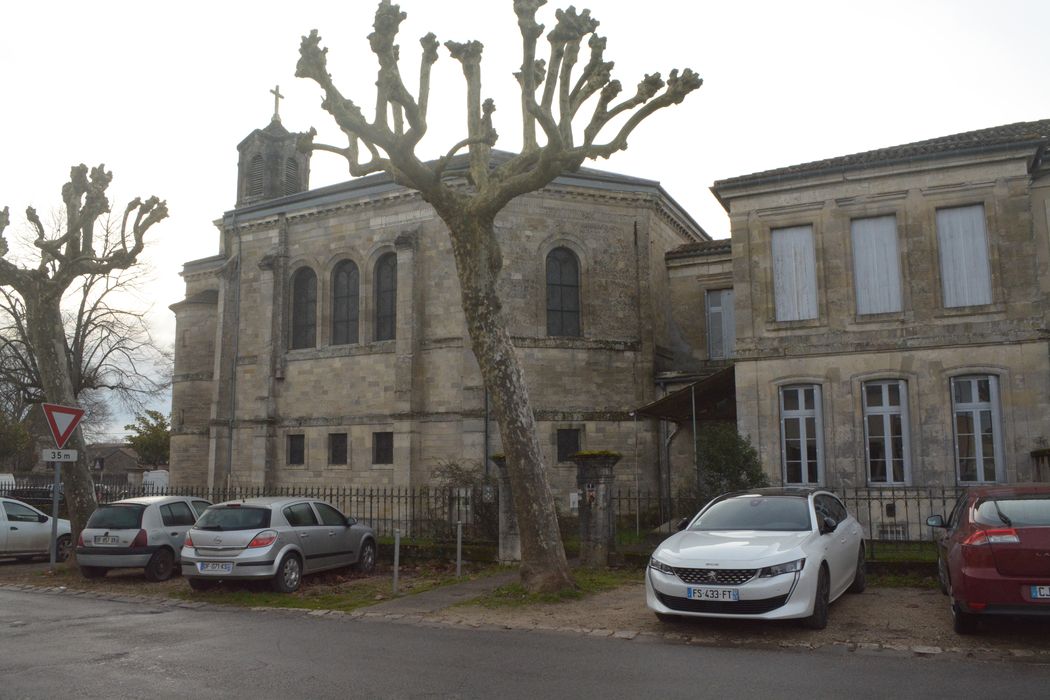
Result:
<point x="819" y="619"/>
<point x="202" y="584"/>
<point x="289" y="574"/>
<point x="962" y="621"/>
<point x="860" y="576"/>
<point x="93" y="571"/>
<point x="65" y="544"/>
<point x="366" y="562"/>
<point x="664" y="617"/>
<point x="161" y="565"/>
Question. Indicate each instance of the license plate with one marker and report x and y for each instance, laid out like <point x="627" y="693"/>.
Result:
<point x="105" y="539"/>
<point x="1041" y="592"/>
<point x="214" y="567"/>
<point x="713" y="594"/>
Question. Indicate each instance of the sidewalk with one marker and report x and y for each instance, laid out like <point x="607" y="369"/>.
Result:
<point x="438" y="599"/>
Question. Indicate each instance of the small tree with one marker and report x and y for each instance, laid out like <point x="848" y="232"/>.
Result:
<point x="554" y="142"/>
<point x="728" y="462"/>
<point x="151" y="438"/>
<point x="64" y="257"/>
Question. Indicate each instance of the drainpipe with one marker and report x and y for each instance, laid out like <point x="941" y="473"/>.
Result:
<point x="696" y="438"/>
<point x="485" y="457"/>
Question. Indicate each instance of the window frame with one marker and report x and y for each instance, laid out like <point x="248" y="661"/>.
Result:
<point x="290" y="449"/>
<point x="563" y="458"/>
<point x="563" y="322"/>
<point x="974" y="408"/>
<point x="857" y="223"/>
<point x="726" y="322"/>
<point x="377" y="456"/>
<point x="346" y="307"/>
<point x="780" y="283"/>
<point x="984" y="255"/>
<point x="345" y="449"/>
<point x="303" y="308"/>
<point x="886" y="412"/>
<point x="384" y="280"/>
<point x="801" y="414"/>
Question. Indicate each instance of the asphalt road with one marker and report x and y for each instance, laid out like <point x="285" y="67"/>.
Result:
<point x="61" y="645"/>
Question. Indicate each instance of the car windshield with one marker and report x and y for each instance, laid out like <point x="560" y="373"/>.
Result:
<point x="117" y="516"/>
<point x="776" y="513"/>
<point x="1016" y="511"/>
<point x="234" y="518"/>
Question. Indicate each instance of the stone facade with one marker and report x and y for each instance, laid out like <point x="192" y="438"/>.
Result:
<point x="243" y="395"/>
<point x="922" y="343"/>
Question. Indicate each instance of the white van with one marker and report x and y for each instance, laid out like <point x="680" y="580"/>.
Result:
<point x="156" y="479"/>
<point x="7" y="482"/>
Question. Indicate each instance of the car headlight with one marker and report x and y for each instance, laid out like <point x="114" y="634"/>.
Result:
<point x="786" y="568"/>
<point x="661" y="567"/>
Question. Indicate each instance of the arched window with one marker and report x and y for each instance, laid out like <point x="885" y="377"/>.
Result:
<point x="563" y="293"/>
<point x="345" y="301"/>
<point x="256" y="176"/>
<point x="304" y="309"/>
<point x="386" y="297"/>
<point x="291" y="176"/>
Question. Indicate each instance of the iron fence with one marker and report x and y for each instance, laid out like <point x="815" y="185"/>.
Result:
<point x="890" y="516"/>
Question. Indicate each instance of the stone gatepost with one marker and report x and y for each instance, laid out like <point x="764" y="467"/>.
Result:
<point x="594" y="479"/>
<point x="509" y="537"/>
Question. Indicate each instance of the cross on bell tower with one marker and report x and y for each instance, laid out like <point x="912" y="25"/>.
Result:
<point x="277" y="97"/>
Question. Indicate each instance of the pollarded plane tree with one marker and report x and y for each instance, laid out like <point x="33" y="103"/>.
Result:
<point x="65" y="258"/>
<point x="570" y="113"/>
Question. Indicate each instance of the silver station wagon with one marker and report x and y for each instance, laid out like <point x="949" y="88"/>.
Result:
<point x="142" y="533"/>
<point x="277" y="538"/>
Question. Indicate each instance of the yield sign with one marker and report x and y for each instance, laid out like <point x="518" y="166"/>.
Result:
<point x="62" y="420"/>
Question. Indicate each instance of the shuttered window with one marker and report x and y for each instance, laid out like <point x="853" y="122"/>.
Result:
<point x="876" y="265"/>
<point x="256" y="176"/>
<point x="794" y="273"/>
<point x="962" y="239"/>
<point x="721" y="329"/>
<point x="291" y="176"/>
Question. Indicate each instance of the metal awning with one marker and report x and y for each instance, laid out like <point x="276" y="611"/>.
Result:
<point x="713" y="397"/>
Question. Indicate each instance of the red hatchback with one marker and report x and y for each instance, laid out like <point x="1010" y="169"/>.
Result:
<point x="994" y="557"/>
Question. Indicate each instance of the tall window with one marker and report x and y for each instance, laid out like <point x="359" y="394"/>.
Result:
<point x="963" y="245"/>
<point x="386" y="297"/>
<point x="794" y="273"/>
<point x="978" y="442"/>
<point x="801" y="431"/>
<point x="291" y="176"/>
<point x="886" y="431"/>
<point x="304" y="309"/>
<point x="345" y="302"/>
<point x="256" y="176"/>
<point x="721" y="328"/>
<point x="876" y="265"/>
<point x="563" y="293"/>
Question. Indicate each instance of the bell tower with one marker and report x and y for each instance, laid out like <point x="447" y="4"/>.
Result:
<point x="270" y="163"/>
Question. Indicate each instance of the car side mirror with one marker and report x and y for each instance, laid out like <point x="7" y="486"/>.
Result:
<point x="41" y="518"/>
<point x="829" y="524"/>
<point x="936" y="521"/>
<point x="351" y="521"/>
<point x="681" y="524"/>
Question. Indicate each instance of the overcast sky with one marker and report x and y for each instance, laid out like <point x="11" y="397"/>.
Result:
<point x="163" y="92"/>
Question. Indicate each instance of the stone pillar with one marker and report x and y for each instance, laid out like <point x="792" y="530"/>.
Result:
<point x="509" y="537"/>
<point x="594" y="479"/>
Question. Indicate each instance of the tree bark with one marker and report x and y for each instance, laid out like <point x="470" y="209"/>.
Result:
<point x="543" y="564"/>
<point x="48" y="337"/>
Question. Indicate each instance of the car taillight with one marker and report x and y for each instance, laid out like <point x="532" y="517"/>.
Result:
<point x="80" y="540"/>
<point x="999" y="536"/>
<point x="263" y="539"/>
<point x="140" y="539"/>
<point x="188" y="542"/>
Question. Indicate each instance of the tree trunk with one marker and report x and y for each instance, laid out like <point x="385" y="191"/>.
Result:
<point x="48" y="337"/>
<point x="543" y="564"/>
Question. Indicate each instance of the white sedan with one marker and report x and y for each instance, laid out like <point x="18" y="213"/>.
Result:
<point x="25" y="532"/>
<point x="767" y="554"/>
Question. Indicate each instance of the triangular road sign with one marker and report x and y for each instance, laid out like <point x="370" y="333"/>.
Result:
<point x="62" y="420"/>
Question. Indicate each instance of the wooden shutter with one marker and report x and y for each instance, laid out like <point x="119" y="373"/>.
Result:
<point x="794" y="273"/>
<point x="966" y="278"/>
<point x="876" y="265"/>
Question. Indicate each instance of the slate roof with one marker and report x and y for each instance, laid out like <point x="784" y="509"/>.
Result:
<point x="1035" y="134"/>
<point x="700" y="249"/>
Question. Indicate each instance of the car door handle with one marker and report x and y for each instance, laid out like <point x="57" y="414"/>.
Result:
<point x="331" y="533"/>
<point x="303" y="535"/>
<point x="174" y="534"/>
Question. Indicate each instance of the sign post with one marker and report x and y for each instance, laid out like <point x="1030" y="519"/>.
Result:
<point x="62" y="420"/>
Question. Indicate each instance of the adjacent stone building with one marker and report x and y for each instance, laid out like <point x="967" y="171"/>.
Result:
<point x="891" y="311"/>
<point x="325" y="343"/>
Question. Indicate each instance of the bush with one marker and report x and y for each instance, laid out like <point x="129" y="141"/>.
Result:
<point x="728" y="462"/>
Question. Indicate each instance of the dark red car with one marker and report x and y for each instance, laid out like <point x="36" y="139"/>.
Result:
<point x="994" y="556"/>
